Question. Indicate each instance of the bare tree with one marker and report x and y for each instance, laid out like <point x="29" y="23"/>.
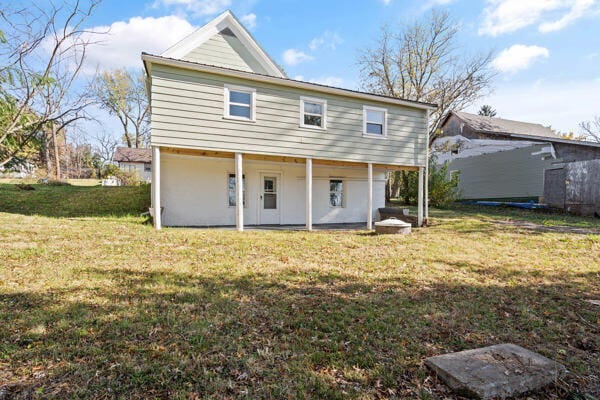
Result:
<point x="591" y="129"/>
<point x="422" y="62"/>
<point x="105" y="147"/>
<point x="123" y="94"/>
<point x="44" y="50"/>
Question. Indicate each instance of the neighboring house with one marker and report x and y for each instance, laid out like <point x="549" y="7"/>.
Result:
<point x="236" y="142"/>
<point x="138" y="161"/>
<point x="504" y="159"/>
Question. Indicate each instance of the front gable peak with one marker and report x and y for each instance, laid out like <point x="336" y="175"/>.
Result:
<point x="224" y="42"/>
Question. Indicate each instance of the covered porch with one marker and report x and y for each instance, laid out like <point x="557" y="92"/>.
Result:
<point x="281" y="190"/>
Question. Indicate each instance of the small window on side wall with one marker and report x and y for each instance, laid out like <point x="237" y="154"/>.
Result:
<point x="375" y="121"/>
<point x="240" y="103"/>
<point x="336" y="193"/>
<point x="231" y="190"/>
<point x="313" y="113"/>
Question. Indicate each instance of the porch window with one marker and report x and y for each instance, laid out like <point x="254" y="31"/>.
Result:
<point x="231" y="190"/>
<point x="240" y="103"/>
<point x="313" y="113"/>
<point x="375" y="121"/>
<point x="336" y="193"/>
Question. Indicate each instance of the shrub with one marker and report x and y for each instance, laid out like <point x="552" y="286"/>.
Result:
<point x="443" y="187"/>
<point x="125" y="178"/>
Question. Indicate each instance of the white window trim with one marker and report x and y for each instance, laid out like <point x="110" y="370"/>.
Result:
<point x="343" y="205"/>
<point x="384" y="128"/>
<point x="323" y="103"/>
<point x="245" y="200"/>
<point x="226" y="103"/>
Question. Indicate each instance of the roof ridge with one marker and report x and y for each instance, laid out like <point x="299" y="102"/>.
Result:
<point x="502" y="119"/>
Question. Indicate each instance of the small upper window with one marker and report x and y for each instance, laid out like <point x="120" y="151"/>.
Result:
<point x="375" y="123"/>
<point x="336" y="193"/>
<point x="240" y="102"/>
<point x="313" y="113"/>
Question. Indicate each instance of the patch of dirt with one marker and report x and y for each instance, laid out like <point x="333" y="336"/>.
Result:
<point x="543" y="228"/>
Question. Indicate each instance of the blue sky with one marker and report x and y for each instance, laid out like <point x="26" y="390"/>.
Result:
<point x="546" y="52"/>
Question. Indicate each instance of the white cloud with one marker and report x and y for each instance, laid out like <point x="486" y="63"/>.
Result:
<point x="433" y="3"/>
<point x="122" y="45"/>
<point x="249" y="20"/>
<point x="545" y="103"/>
<point x="518" y="57"/>
<point x="329" y="81"/>
<point x="294" y="57"/>
<point x="386" y="2"/>
<point x="328" y="40"/>
<point x="578" y="10"/>
<point x="504" y="16"/>
<point x="197" y="8"/>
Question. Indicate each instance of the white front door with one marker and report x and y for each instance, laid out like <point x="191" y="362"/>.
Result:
<point x="270" y="199"/>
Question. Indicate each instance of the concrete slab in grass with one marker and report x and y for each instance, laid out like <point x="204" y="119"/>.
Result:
<point x="499" y="371"/>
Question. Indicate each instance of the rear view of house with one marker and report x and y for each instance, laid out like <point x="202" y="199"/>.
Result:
<point x="236" y="142"/>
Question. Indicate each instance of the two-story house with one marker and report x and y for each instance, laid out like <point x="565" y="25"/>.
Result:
<point x="236" y="142"/>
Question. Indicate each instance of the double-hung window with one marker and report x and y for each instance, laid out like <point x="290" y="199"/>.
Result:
<point x="240" y="103"/>
<point x="375" y="121"/>
<point x="336" y="193"/>
<point x="231" y="189"/>
<point x="313" y="113"/>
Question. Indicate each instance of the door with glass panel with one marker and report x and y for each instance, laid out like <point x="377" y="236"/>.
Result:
<point x="270" y="199"/>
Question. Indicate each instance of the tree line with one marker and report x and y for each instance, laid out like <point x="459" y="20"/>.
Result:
<point x="45" y="97"/>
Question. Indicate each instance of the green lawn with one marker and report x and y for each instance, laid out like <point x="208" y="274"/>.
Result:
<point x="96" y="304"/>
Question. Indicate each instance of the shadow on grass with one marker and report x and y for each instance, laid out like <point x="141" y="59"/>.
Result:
<point x="75" y="201"/>
<point x="159" y="334"/>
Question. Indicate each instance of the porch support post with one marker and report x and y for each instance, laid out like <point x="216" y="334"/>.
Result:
<point x="370" y="198"/>
<point x="156" y="187"/>
<point x="420" y="200"/>
<point x="309" y="194"/>
<point x="239" y="193"/>
<point x="427" y="174"/>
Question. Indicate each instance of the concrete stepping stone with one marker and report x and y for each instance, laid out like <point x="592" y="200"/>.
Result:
<point x="500" y="371"/>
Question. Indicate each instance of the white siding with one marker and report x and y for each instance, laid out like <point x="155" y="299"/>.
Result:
<point x="137" y="168"/>
<point x="194" y="192"/>
<point x="187" y="111"/>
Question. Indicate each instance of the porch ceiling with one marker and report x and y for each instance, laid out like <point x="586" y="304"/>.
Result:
<point x="272" y="158"/>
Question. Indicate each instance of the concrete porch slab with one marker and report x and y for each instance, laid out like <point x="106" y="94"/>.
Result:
<point x="500" y="371"/>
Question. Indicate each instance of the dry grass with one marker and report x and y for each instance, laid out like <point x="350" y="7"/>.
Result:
<point x="105" y="307"/>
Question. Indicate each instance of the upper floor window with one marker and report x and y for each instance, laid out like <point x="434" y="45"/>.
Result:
<point x="313" y="113"/>
<point x="375" y="121"/>
<point x="240" y="103"/>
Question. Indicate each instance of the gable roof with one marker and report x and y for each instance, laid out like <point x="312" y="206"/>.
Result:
<point x="514" y="129"/>
<point x="228" y="23"/>
<point x="485" y="124"/>
<point x="127" y="154"/>
<point x="150" y="59"/>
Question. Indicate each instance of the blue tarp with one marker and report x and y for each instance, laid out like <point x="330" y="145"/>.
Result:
<point x="529" y="205"/>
